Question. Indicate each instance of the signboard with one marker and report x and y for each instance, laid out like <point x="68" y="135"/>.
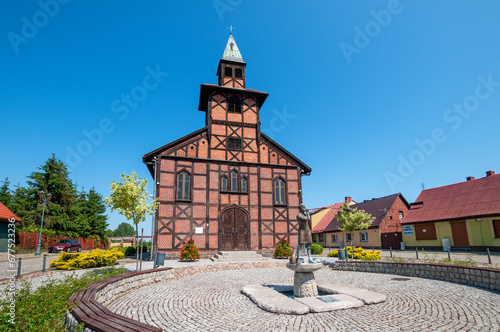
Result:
<point x="199" y="230"/>
<point x="408" y="230"/>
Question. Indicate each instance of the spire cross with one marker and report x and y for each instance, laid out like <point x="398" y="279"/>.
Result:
<point x="231" y="29"/>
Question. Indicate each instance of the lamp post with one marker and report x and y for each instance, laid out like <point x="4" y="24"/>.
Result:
<point x="123" y="234"/>
<point x="45" y="198"/>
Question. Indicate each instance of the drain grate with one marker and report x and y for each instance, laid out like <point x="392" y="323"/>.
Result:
<point x="401" y="279"/>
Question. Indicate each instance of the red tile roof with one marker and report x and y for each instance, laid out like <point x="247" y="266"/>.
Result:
<point x="377" y="207"/>
<point x="468" y="199"/>
<point x="6" y="214"/>
<point x="327" y="218"/>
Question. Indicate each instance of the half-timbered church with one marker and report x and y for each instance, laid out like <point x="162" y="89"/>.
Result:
<point x="227" y="185"/>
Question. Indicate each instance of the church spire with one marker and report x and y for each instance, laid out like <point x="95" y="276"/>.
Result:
<point x="232" y="53"/>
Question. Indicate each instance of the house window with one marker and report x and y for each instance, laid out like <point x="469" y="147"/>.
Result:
<point x="244" y="184"/>
<point x="234" y="104"/>
<point x="320" y="237"/>
<point x="334" y="238"/>
<point x="401" y="215"/>
<point x="234" y="143"/>
<point x="228" y="71"/>
<point x="279" y="192"/>
<point x="223" y="183"/>
<point x="348" y="237"/>
<point x="314" y="238"/>
<point x="496" y="227"/>
<point x="363" y="236"/>
<point x="183" y="185"/>
<point x="238" y="73"/>
<point x="234" y="181"/>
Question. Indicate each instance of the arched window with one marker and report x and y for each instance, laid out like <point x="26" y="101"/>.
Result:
<point x="244" y="184"/>
<point x="234" y="181"/>
<point x="234" y="104"/>
<point x="183" y="185"/>
<point x="223" y="183"/>
<point x="279" y="192"/>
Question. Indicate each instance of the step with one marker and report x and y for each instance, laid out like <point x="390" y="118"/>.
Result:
<point x="237" y="256"/>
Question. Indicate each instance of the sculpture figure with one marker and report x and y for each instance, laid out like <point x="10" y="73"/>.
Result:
<point x="305" y="237"/>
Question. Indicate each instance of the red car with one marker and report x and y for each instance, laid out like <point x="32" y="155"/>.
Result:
<point x="66" y="245"/>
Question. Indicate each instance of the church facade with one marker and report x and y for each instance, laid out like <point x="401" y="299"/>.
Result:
<point x="227" y="185"/>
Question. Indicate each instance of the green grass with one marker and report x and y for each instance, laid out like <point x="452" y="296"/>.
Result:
<point x="44" y="309"/>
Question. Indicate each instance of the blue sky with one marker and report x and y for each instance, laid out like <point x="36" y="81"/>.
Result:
<point x="377" y="97"/>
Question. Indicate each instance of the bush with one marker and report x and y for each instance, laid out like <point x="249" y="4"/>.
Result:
<point x="316" y="249"/>
<point x="359" y="253"/>
<point x="189" y="251"/>
<point x="44" y="309"/>
<point x="95" y="258"/>
<point x="283" y="249"/>
<point x="132" y="250"/>
<point x="121" y="249"/>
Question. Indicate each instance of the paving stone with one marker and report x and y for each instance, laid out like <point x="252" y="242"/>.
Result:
<point x="206" y="299"/>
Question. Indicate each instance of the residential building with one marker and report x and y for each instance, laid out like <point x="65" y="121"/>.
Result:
<point x="465" y="215"/>
<point x="7" y="227"/>
<point x="384" y="232"/>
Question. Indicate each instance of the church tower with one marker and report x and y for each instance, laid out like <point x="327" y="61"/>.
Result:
<point x="227" y="185"/>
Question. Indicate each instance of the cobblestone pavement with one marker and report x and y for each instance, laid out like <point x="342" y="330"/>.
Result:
<point x="213" y="302"/>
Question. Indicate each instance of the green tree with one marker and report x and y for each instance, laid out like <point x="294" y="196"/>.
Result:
<point x="353" y="219"/>
<point x="90" y="219"/>
<point x="124" y="229"/>
<point x="24" y="205"/>
<point x="130" y="198"/>
<point x="5" y="194"/>
<point x="53" y="178"/>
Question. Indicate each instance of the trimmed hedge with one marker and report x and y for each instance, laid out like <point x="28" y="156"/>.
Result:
<point x="316" y="249"/>
<point x="94" y="258"/>
<point x="359" y="253"/>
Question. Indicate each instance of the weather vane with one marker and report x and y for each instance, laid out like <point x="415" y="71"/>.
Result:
<point x="231" y="29"/>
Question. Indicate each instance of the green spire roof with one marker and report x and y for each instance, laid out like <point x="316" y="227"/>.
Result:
<point x="232" y="52"/>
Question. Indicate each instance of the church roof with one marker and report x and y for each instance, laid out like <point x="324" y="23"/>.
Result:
<point x="231" y="52"/>
<point x="206" y="90"/>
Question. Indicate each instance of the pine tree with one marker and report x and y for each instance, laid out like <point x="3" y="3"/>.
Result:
<point x="5" y="194"/>
<point x="54" y="178"/>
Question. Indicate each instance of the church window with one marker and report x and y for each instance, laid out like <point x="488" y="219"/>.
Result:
<point x="183" y="185"/>
<point x="238" y="73"/>
<point x="279" y="192"/>
<point x="244" y="184"/>
<point x="234" y="104"/>
<point x="233" y="143"/>
<point x="234" y="181"/>
<point x="228" y="71"/>
<point x="223" y="183"/>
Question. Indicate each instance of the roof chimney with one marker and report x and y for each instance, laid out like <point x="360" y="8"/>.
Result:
<point x="470" y="178"/>
<point x="490" y="173"/>
<point x="348" y="200"/>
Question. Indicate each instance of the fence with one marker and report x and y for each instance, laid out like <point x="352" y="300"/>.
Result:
<point x="27" y="240"/>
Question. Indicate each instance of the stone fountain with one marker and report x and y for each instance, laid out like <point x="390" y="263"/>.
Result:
<point x="308" y="296"/>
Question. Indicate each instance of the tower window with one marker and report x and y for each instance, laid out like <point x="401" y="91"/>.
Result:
<point x="228" y="71"/>
<point x="234" y="181"/>
<point x="234" y="143"/>
<point x="244" y="184"/>
<point x="401" y="215"/>
<point x="238" y="72"/>
<point x="223" y="184"/>
<point x="183" y="185"/>
<point x="234" y="104"/>
<point x="279" y="192"/>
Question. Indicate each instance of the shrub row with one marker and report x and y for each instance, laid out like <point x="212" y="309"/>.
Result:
<point x="359" y="253"/>
<point x="94" y="258"/>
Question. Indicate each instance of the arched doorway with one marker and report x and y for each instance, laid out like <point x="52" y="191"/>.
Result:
<point x="234" y="229"/>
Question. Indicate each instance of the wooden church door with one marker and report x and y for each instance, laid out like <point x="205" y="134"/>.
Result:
<point x="233" y="232"/>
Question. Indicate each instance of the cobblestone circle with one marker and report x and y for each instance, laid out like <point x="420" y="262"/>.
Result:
<point x="213" y="302"/>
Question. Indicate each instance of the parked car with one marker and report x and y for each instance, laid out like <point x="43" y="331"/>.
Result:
<point x="66" y="245"/>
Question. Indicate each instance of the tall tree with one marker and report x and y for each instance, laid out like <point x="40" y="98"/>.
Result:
<point x="129" y="199"/>
<point x="5" y="194"/>
<point x="53" y="178"/>
<point x="352" y="220"/>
